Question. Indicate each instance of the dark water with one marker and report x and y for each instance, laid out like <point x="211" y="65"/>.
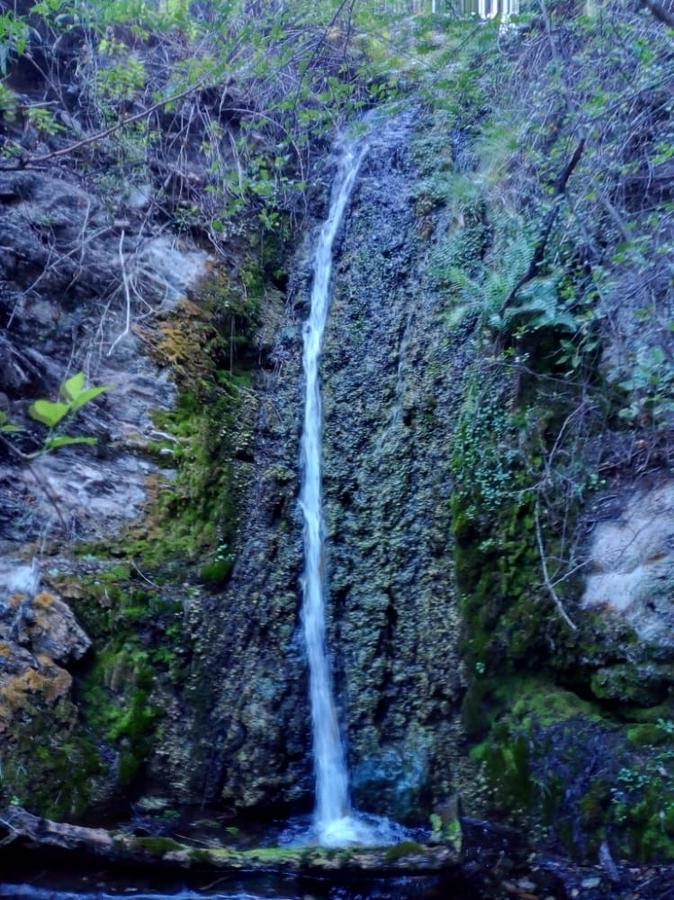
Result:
<point x="95" y="883"/>
<point x="391" y="889"/>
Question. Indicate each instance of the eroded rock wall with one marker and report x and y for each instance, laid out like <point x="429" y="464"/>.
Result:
<point x="390" y="381"/>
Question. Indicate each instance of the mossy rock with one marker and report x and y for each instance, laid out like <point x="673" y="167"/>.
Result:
<point x="568" y="768"/>
<point x="540" y="700"/>
<point x="646" y="684"/>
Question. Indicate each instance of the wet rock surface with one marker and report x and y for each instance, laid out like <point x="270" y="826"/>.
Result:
<point x="391" y="381"/>
<point x="632" y="564"/>
<point x="242" y="735"/>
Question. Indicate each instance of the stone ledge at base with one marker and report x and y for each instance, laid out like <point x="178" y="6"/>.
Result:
<point x="27" y="831"/>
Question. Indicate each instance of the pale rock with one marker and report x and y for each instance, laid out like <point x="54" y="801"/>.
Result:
<point x="632" y="564"/>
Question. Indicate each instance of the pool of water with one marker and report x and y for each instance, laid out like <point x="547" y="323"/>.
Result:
<point x="22" y="881"/>
<point x="394" y="889"/>
<point x="55" y="876"/>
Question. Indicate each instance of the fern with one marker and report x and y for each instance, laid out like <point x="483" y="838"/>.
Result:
<point x="537" y="306"/>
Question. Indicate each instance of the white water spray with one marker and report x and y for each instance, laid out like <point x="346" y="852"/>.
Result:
<point x="333" y="820"/>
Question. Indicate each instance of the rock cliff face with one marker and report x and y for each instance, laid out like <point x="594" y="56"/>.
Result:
<point x="39" y="639"/>
<point x="632" y="564"/>
<point x="65" y="253"/>
<point x="391" y="384"/>
<point x="69" y="256"/>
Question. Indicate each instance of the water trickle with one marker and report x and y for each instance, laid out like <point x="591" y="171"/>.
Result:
<point x="19" y="578"/>
<point x="334" y="822"/>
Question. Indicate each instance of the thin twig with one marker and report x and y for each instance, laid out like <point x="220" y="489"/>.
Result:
<point x="546" y="578"/>
<point x="548" y="222"/>
<point x="127" y="293"/>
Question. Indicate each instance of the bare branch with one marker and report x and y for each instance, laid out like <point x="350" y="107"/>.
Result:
<point x="546" y="577"/>
<point x="100" y="135"/>
<point x="127" y="293"/>
<point x="549" y="221"/>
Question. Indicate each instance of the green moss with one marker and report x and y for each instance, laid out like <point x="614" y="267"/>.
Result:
<point x="217" y="572"/>
<point x="400" y="851"/>
<point x="593" y="808"/>
<point x="555" y="759"/>
<point x="115" y="703"/>
<point x="273" y="854"/>
<point x="652" y="715"/>
<point x="645" y="735"/>
<point x="50" y="770"/>
<point x="157" y="845"/>
<point x="506" y="617"/>
<point x="645" y="683"/>
<point x="539" y="700"/>
<point x="649" y="824"/>
<point x="506" y="764"/>
<point x="476" y="706"/>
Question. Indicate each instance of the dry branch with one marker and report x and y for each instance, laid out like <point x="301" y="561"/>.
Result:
<point x="546" y="576"/>
<point x="549" y="221"/>
<point x="101" y="135"/>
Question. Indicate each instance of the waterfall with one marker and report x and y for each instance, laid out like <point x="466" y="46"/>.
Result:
<point x="333" y="821"/>
<point x="336" y="824"/>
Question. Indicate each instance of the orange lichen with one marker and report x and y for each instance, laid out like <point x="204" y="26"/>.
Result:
<point x="15" y="691"/>
<point x="59" y="686"/>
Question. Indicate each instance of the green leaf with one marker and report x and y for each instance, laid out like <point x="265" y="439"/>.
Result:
<point x="88" y="395"/>
<point x="48" y="413"/>
<point x="73" y="387"/>
<point x="7" y="427"/>
<point x="65" y="440"/>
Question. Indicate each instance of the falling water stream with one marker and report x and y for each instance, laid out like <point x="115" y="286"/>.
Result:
<point x="334" y="822"/>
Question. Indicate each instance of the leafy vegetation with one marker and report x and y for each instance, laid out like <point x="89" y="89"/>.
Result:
<point x="75" y="395"/>
<point x="224" y="105"/>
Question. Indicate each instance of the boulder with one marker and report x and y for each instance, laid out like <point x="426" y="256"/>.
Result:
<point x="632" y="564"/>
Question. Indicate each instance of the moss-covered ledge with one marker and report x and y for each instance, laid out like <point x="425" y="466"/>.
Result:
<point x="27" y="831"/>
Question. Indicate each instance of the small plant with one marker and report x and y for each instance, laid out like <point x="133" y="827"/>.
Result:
<point x="7" y="103"/>
<point x="649" y="387"/>
<point x="7" y="427"/>
<point x="448" y="831"/>
<point x="75" y="395"/>
<point x="13" y="39"/>
<point x="43" y="121"/>
<point x="123" y="80"/>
